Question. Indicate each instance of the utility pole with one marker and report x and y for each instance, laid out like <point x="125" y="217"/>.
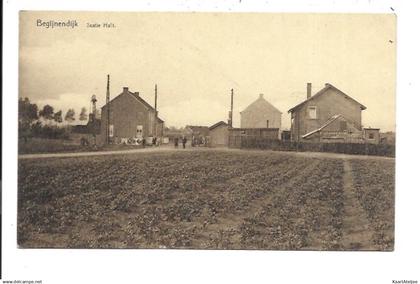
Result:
<point x="108" y="111"/>
<point x="93" y="118"/>
<point x="230" y="122"/>
<point x="156" y="111"/>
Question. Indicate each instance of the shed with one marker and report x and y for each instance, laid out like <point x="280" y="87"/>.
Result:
<point x="219" y="134"/>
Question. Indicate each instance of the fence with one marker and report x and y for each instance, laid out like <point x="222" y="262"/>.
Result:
<point x="246" y="142"/>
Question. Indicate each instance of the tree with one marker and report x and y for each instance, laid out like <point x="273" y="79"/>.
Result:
<point x="28" y="112"/>
<point x="47" y="112"/>
<point x="58" y="117"/>
<point x="83" y="114"/>
<point x="70" y="116"/>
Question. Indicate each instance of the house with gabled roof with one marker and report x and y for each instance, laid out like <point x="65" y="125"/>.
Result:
<point x="130" y="117"/>
<point x="261" y="114"/>
<point x="329" y="115"/>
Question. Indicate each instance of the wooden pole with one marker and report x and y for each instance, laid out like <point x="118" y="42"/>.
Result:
<point x="156" y="113"/>
<point x="231" y="108"/>
<point x="108" y="111"/>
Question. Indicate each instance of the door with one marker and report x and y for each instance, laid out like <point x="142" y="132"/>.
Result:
<point x="139" y="131"/>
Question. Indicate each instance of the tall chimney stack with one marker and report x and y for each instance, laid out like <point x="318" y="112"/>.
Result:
<point x="308" y="90"/>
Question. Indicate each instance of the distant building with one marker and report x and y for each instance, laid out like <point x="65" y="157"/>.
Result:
<point x="372" y="135"/>
<point x="328" y="116"/>
<point x="219" y="134"/>
<point x="261" y="114"/>
<point x="173" y="133"/>
<point x="387" y="138"/>
<point x="199" y="135"/>
<point x="285" y="135"/>
<point x="130" y="117"/>
<point x="94" y="124"/>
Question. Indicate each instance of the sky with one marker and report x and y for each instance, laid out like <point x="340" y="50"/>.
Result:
<point x="197" y="58"/>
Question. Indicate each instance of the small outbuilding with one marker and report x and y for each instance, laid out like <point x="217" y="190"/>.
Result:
<point x="336" y="129"/>
<point x="372" y="135"/>
<point x="219" y="134"/>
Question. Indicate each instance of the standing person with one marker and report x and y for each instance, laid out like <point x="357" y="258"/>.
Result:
<point x="184" y="141"/>
<point x="176" y="142"/>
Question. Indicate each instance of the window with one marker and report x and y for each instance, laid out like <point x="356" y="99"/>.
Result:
<point x="371" y="136"/>
<point x="312" y="112"/>
<point x="111" y="130"/>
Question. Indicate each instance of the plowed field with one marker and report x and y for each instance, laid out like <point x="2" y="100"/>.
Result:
<point x="207" y="200"/>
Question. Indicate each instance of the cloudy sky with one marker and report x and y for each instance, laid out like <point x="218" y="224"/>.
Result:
<point x="196" y="58"/>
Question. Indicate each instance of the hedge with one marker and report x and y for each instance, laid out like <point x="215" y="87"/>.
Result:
<point x="344" y="148"/>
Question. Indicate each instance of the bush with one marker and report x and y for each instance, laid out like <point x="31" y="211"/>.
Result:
<point x="50" y="132"/>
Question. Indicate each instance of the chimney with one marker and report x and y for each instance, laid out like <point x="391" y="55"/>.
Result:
<point x="261" y="96"/>
<point x="137" y="94"/>
<point x="308" y="90"/>
<point x="125" y="89"/>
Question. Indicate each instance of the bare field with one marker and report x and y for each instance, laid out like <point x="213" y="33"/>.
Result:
<point x="207" y="200"/>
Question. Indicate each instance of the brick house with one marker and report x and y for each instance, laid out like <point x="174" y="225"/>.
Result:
<point x="328" y="116"/>
<point x="129" y="117"/>
<point x="261" y="114"/>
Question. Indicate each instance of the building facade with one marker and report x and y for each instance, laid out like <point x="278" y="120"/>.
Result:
<point x="130" y="117"/>
<point x="261" y="114"/>
<point x="329" y="115"/>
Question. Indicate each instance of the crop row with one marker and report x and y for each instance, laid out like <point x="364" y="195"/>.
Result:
<point x="59" y="196"/>
<point x="374" y="185"/>
<point x="309" y="206"/>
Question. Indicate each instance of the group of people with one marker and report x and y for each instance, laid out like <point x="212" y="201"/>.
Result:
<point x="156" y="141"/>
<point x="183" y="141"/>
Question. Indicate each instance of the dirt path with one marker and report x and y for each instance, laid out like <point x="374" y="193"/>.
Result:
<point x="357" y="234"/>
<point x="188" y="149"/>
<point x="99" y="153"/>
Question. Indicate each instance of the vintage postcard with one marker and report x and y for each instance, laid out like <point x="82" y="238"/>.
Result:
<point x="262" y="131"/>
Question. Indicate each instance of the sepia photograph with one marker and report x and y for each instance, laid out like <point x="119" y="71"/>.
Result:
<point x="213" y="131"/>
